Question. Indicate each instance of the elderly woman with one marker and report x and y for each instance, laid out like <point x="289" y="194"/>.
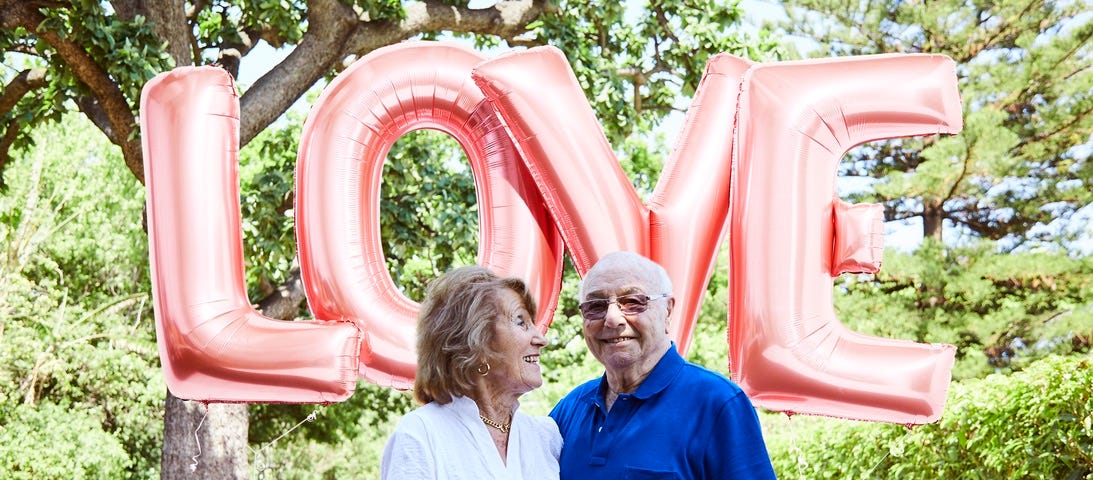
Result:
<point x="478" y="352"/>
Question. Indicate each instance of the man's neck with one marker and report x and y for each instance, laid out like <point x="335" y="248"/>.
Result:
<point x="628" y="380"/>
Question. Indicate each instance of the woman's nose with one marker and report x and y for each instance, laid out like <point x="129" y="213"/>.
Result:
<point x="539" y="339"/>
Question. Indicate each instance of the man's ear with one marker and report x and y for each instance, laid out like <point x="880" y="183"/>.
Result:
<point x="668" y="317"/>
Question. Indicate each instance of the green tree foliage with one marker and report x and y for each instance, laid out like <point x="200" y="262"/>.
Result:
<point x="637" y="64"/>
<point x="1020" y="169"/>
<point x="56" y="441"/>
<point x="266" y="177"/>
<point x="96" y="56"/>
<point x="82" y="392"/>
<point x="1001" y="311"/>
<point x="428" y="210"/>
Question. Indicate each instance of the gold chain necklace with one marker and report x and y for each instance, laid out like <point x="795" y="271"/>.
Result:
<point x="503" y="427"/>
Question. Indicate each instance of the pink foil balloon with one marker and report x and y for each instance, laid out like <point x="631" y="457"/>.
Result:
<point x="213" y="345"/>
<point x="593" y="202"/>
<point x="385" y="94"/>
<point x="688" y="214"/>
<point x="859" y="238"/>
<point x="790" y="237"/>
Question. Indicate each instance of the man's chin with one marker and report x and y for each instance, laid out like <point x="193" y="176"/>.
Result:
<point x="619" y="357"/>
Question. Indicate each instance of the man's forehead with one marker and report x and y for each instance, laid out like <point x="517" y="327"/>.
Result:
<point x="614" y="282"/>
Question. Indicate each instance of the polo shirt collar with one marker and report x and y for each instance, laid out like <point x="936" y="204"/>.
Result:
<point x="663" y="373"/>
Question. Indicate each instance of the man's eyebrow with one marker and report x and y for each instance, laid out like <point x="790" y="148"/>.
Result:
<point x="602" y="294"/>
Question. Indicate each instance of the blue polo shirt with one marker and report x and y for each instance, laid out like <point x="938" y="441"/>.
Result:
<point x="683" y="422"/>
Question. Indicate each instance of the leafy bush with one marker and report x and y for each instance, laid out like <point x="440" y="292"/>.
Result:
<point x="78" y="345"/>
<point x="1033" y="424"/>
<point x="57" y="441"/>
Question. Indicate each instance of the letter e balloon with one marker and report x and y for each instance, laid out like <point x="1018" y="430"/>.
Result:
<point x="786" y="347"/>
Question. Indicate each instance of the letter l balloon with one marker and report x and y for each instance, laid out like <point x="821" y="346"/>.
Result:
<point x="213" y="344"/>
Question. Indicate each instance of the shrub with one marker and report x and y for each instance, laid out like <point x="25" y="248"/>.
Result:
<point x="1033" y="424"/>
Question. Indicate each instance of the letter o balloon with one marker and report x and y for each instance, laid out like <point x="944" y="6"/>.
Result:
<point x="345" y="141"/>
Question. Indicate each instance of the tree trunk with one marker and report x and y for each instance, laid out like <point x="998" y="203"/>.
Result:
<point x="204" y="440"/>
<point x="222" y="439"/>
<point x="932" y="218"/>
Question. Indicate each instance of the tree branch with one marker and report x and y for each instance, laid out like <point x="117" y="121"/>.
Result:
<point x="506" y="19"/>
<point x="330" y="23"/>
<point x="10" y="134"/>
<point x="97" y="115"/>
<point x="16" y="89"/>
<point x="24" y="82"/>
<point x="109" y="96"/>
<point x="335" y="32"/>
<point x="284" y="302"/>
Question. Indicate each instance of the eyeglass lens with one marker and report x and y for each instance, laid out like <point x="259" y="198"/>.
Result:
<point x="628" y="304"/>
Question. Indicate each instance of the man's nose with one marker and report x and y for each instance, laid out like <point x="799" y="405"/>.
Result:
<point x="614" y="316"/>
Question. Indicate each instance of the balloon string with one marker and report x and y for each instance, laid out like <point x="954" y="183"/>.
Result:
<point x="795" y="448"/>
<point x="193" y="466"/>
<point x="263" y="450"/>
<point x="900" y="440"/>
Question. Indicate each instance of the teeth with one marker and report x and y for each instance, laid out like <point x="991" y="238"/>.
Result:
<point x="532" y="359"/>
<point x="617" y="339"/>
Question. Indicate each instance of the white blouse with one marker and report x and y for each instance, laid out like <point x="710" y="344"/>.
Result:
<point x="450" y="442"/>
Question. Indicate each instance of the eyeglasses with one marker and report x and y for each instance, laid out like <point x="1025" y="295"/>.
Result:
<point x="593" y="310"/>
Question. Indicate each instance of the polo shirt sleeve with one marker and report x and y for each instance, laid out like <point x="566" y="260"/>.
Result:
<point x="736" y="448"/>
<point x="560" y="414"/>
<point x="407" y="454"/>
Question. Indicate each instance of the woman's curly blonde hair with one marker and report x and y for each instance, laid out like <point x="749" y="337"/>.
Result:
<point x="455" y="330"/>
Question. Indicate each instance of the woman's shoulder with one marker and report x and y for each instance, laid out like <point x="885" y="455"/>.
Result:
<point x="542" y="422"/>
<point x="543" y="430"/>
<point x="425" y="416"/>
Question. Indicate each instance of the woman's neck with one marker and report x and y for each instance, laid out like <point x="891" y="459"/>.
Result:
<point x="495" y="406"/>
<point x="496" y="410"/>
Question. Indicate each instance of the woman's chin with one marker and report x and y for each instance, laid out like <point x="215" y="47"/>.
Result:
<point x="533" y="383"/>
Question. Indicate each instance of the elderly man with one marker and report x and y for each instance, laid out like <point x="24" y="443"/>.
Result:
<point x="652" y="414"/>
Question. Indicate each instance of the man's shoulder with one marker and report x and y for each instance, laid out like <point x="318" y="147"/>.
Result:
<point x="583" y="389"/>
<point x="575" y="396"/>
<point x="694" y="376"/>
